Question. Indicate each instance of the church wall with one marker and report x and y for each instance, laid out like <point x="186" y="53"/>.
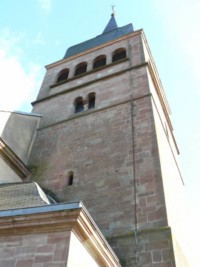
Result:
<point x="78" y="255"/>
<point x="175" y="198"/>
<point x="103" y="172"/>
<point x="145" y="248"/>
<point x="102" y="165"/>
<point x="61" y="107"/>
<point x="35" y="250"/>
<point x="97" y="147"/>
<point x="112" y="151"/>
<point x="7" y="175"/>
<point x="51" y="249"/>
<point x="106" y="49"/>
<point x="18" y="132"/>
<point x="151" y="210"/>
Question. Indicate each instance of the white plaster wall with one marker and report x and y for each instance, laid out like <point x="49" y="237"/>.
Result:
<point x="78" y="255"/>
<point x="4" y="116"/>
<point x="18" y="130"/>
<point x="7" y="175"/>
<point x="176" y="204"/>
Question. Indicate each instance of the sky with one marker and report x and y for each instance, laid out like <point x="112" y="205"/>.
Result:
<point x="34" y="33"/>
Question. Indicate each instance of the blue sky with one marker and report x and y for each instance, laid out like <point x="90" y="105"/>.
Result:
<point x="34" y="33"/>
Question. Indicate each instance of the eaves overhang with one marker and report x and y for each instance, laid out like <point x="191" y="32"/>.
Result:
<point x="60" y="217"/>
<point x="108" y="35"/>
<point x="89" y="50"/>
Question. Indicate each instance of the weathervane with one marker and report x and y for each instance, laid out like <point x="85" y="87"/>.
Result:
<point x="113" y="11"/>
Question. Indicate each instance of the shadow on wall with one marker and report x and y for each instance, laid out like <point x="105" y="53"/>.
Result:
<point x="18" y="130"/>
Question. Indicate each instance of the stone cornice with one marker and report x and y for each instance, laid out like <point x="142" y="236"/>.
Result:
<point x="61" y="217"/>
<point x="13" y="161"/>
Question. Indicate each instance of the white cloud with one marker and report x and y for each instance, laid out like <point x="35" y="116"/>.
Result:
<point x="17" y="82"/>
<point x="45" y="5"/>
<point x="9" y="42"/>
<point x="39" y="39"/>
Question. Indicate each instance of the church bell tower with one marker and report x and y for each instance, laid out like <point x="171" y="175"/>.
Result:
<point x="105" y="138"/>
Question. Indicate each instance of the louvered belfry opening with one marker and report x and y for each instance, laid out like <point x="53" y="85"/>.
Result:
<point x="63" y="75"/>
<point x="80" y="68"/>
<point x="119" y="54"/>
<point x="99" y="61"/>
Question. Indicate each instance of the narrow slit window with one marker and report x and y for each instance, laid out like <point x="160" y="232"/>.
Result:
<point x="79" y="104"/>
<point x="119" y="54"/>
<point x="80" y="68"/>
<point x="70" y="178"/>
<point x="91" y="100"/>
<point x="63" y="75"/>
<point x="99" y="61"/>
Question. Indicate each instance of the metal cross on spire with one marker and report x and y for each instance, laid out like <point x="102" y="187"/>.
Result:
<point x="113" y="11"/>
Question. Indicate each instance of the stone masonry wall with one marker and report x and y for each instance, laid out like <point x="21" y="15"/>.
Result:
<point x="149" y="248"/>
<point x="97" y="149"/>
<point x="35" y="250"/>
<point x="112" y="151"/>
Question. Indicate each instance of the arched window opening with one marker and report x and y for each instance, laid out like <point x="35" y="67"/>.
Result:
<point x="119" y="54"/>
<point x="79" y="104"/>
<point x="91" y="100"/>
<point x="63" y="75"/>
<point x="99" y="61"/>
<point x="70" y="179"/>
<point x="81" y="68"/>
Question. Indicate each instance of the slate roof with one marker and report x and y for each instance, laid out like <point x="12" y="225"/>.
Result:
<point x="112" y="24"/>
<point x="21" y="195"/>
<point x="111" y="32"/>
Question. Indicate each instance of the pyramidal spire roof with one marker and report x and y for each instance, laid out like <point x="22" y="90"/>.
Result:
<point x="112" y="25"/>
<point x="111" y="32"/>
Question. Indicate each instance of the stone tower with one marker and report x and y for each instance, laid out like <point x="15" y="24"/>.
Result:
<point x="105" y="138"/>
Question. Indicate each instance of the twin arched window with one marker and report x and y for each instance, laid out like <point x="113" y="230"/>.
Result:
<point x="79" y="102"/>
<point x="91" y="100"/>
